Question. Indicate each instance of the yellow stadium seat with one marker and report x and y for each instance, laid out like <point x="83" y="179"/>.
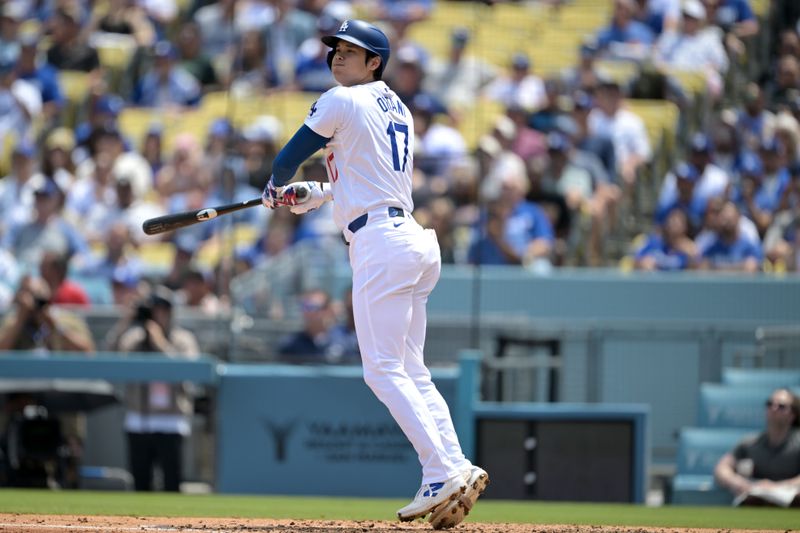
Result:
<point x="135" y="121"/>
<point x="478" y="120"/>
<point x="75" y="84"/>
<point x="157" y="255"/>
<point x="245" y="234"/>
<point x="115" y="56"/>
<point x="7" y="147"/>
<point x="627" y="264"/>
<point x="660" y="117"/>
<point x="620" y="71"/>
<point x="694" y="82"/>
<point x="215" y="103"/>
<point x="760" y="7"/>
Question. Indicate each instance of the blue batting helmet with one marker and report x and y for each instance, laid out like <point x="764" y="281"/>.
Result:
<point x="361" y="34"/>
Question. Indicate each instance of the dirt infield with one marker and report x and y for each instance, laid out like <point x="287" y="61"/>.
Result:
<point x="20" y="523"/>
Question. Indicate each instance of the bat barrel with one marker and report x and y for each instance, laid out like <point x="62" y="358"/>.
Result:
<point x="162" y="224"/>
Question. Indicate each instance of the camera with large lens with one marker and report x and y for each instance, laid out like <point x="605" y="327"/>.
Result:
<point x="144" y="312"/>
<point x="41" y="303"/>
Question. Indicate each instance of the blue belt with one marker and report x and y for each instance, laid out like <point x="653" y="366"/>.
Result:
<point x="361" y="221"/>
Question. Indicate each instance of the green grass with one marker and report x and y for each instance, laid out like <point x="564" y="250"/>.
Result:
<point x="150" y="504"/>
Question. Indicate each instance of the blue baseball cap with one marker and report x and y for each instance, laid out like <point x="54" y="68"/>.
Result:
<point x="8" y="59"/>
<point x="460" y="36"/>
<point x="701" y="142"/>
<point x="558" y="142"/>
<point x="25" y="148"/>
<point x="44" y="186"/>
<point x="327" y="23"/>
<point x="771" y="145"/>
<point x="165" y="49"/>
<point x="221" y="127"/>
<point x="751" y="164"/>
<point x="583" y="100"/>
<point x="126" y="275"/>
<point x="109" y="104"/>
<point x="685" y="171"/>
<point x="424" y="103"/>
<point x="410" y="54"/>
<point x="567" y="126"/>
<point x="589" y="48"/>
<point x="520" y="61"/>
<point x="155" y="129"/>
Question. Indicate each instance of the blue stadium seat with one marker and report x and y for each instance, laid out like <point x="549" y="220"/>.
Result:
<point x="97" y="289"/>
<point x="732" y="406"/>
<point x="105" y="478"/>
<point x="699" y="450"/>
<point x="770" y="377"/>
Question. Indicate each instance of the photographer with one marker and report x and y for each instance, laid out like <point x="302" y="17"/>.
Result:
<point x="40" y="328"/>
<point x="36" y="325"/>
<point x="158" y="414"/>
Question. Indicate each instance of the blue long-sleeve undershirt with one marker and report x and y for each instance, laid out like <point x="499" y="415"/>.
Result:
<point x="299" y="148"/>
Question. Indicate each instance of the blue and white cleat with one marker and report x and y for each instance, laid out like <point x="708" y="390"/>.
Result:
<point x="431" y="495"/>
<point x="452" y="513"/>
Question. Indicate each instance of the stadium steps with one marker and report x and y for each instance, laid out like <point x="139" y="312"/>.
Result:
<point x="699" y="450"/>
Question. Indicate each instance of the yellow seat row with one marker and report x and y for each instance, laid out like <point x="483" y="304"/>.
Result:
<point x="289" y="108"/>
<point x="660" y="118"/>
<point x="158" y="256"/>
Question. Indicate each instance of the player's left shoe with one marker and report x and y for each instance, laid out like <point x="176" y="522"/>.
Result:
<point x="452" y="513"/>
<point x="431" y="495"/>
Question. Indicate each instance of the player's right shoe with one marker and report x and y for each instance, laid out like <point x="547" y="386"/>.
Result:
<point x="431" y="495"/>
<point x="452" y="513"/>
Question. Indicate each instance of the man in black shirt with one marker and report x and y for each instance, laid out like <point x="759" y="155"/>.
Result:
<point x="763" y="466"/>
<point x="69" y="51"/>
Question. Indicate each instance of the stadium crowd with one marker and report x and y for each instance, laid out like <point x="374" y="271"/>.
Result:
<point x="555" y="181"/>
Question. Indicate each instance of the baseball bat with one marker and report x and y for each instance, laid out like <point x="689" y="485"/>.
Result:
<point x="165" y="223"/>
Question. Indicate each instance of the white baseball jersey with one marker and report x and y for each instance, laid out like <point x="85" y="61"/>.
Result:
<point x="377" y="172"/>
<point x="395" y="262"/>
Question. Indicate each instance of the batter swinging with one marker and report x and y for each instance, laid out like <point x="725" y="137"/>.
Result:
<point x="369" y="135"/>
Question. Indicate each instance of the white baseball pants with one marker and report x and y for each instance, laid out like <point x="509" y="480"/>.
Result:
<point x="396" y="264"/>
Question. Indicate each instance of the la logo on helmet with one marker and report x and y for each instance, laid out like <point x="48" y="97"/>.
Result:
<point x="344" y="26"/>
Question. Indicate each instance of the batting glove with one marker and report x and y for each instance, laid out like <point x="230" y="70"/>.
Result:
<point x="272" y="195"/>
<point x="315" y="195"/>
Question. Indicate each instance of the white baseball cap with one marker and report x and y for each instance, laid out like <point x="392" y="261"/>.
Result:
<point x="695" y="9"/>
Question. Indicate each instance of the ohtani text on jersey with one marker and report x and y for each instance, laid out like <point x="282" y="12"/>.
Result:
<point x="390" y="104"/>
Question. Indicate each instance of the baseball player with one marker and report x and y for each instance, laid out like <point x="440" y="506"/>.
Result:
<point x="368" y="135"/>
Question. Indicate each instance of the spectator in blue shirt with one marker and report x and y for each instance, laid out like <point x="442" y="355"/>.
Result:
<point x="166" y="84"/>
<point x="736" y="20"/>
<point x="686" y="178"/>
<point x="46" y="231"/>
<point x="761" y="189"/>
<point x="311" y="72"/>
<point x="776" y="175"/>
<point x="670" y="248"/>
<point x="754" y="122"/>
<point x="512" y="231"/>
<point x="733" y="15"/>
<point x="711" y="179"/>
<point x="625" y="36"/>
<point x="730" y="251"/>
<point x="310" y="345"/>
<point x="343" y="346"/>
<point x="103" y="114"/>
<point x="42" y="75"/>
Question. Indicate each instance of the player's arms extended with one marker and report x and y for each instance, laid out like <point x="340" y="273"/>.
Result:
<point x="300" y="147"/>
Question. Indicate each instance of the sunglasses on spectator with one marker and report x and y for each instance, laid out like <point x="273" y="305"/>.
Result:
<point x="311" y="306"/>
<point x="777" y="405"/>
